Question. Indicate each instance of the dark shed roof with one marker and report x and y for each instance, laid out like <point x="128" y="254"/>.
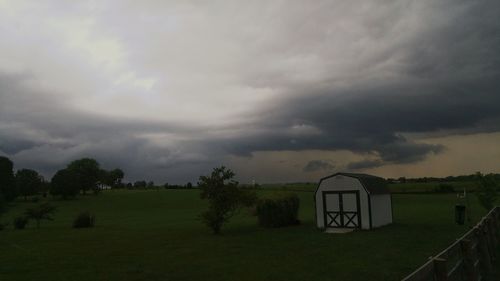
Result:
<point x="372" y="184"/>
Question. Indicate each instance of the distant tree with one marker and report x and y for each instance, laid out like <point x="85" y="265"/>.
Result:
<point x="166" y="185"/>
<point x="151" y="185"/>
<point x="140" y="184"/>
<point x="112" y="178"/>
<point x="87" y="172"/>
<point x="41" y="212"/>
<point x="28" y="182"/>
<point x="224" y="197"/>
<point x="189" y="185"/>
<point x="129" y="185"/>
<point x="7" y="180"/>
<point x="487" y="190"/>
<point x="65" y="184"/>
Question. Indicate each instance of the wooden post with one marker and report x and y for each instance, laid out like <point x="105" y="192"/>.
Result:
<point x="440" y="269"/>
<point x="489" y="239"/>
<point x="470" y="270"/>
<point x="484" y="255"/>
<point x="493" y="232"/>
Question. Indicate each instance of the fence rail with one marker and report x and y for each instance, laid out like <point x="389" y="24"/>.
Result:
<point x="470" y="258"/>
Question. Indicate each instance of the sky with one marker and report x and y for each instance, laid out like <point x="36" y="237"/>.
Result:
<point x="278" y="91"/>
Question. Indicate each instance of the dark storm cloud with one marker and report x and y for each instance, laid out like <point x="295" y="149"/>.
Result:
<point x="341" y="76"/>
<point x="46" y="134"/>
<point x="446" y="79"/>
<point x="318" y="165"/>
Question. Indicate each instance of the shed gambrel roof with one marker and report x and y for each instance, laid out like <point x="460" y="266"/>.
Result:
<point x="372" y="184"/>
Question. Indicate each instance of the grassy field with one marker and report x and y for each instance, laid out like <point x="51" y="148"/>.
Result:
<point x="156" y="235"/>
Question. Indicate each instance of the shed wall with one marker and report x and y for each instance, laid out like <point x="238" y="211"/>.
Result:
<point x="381" y="209"/>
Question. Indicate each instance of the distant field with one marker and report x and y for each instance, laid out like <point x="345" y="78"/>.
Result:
<point x="431" y="186"/>
<point x="396" y="187"/>
<point x="156" y="235"/>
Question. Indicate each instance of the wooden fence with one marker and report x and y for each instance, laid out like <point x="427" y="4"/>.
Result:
<point x="470" y="258"/>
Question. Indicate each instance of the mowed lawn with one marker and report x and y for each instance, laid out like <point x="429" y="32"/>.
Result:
<point x="156" y="235"/>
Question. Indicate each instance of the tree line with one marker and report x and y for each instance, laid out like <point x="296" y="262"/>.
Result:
<point x="461" y="178"/>
<point x="80" y="176"/>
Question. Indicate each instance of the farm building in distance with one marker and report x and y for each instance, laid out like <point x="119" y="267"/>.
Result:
<point x="346" y="200"/>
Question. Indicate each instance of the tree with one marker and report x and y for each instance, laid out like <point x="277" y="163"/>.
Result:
<point x="189" y="185"/>
<point x="486" y="192"/>
<point x="140" y="184"/>
<point x="150" y="185"/>
<point x="41" y="212"/>
<point x="65" y="184"/>
<point x="87" y="172"/>
<point x="112" y="178"/>
<point x="28" y="182"/>
<point x="7" y="180"/>
<point x="224" y="197"/>
<point x="116" y="177"/>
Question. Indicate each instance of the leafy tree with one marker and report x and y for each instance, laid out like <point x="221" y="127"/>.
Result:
<point x="112" y="178"/>
<point x="116" y="177"/>
<point x="7" y="180"/>
<point x="486" y="192"/>
<point x="41" y="212"/>
<point x="65" y="184"/>
<point x="28" y="182"/>
<point x="151" y="185"/>
<point x="224" y="197"/>
<point x="189" y="185"/>
<point x="87" y="172"/>
<point x="140" y="184"/>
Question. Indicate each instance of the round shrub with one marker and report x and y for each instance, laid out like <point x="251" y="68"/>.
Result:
<point x="279" y="211"/>
<point x="20" y="222"/>
<point x="83" y="220"/>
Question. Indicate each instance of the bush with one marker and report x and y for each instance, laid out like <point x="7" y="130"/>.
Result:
<point x="83" y="220"/>
<point x="20" y="222"/>
<point x="278" y="212"/>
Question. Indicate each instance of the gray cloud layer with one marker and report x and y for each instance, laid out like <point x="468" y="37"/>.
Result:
<point x="334" y="76"/>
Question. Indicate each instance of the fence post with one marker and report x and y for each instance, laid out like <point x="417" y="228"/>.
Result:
<point x="489" y="239"/>
<point x="493" y="232"/>
<point x="495" y="221"/>
<point x="440" y="269"/>
<point x="484" y="255"/>
<point x="470" y="270"/>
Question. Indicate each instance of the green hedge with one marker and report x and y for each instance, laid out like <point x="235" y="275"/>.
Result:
<point x="278" y="212"/>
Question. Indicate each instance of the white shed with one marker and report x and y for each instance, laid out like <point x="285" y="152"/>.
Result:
<point x="346" y="200"/>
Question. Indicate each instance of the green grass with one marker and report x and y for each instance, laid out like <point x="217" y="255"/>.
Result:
<point x="156" y="235"/>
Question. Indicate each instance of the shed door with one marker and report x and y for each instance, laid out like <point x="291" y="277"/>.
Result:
<point x="341" y="209"/>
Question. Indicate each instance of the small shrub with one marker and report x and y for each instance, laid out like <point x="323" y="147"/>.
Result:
<point x="83" y="220"/>
<point x="20" y="222"/>
<point x="278" y="212"/>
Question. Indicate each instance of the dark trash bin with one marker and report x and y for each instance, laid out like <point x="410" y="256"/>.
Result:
<point x="460" y="214"/>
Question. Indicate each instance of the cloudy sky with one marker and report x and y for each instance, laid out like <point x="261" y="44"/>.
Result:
<point x="279" y="91"/>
